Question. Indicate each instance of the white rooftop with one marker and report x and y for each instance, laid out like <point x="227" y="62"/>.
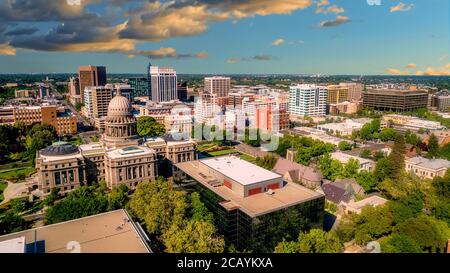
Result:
<point x="16" y="245"/>
<point x="241" y="171"/>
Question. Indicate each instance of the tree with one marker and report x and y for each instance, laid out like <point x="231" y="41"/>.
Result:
<point x="314" y="241"/>
<point x="81" y="202"/>
<point x="287" y="247"/>
<point x="18" y="205"/>
<point x="193" y="236"/>
<point x="118" y="197"/>
<point x="148" y="127"/>
<point x="398" y="243"/>
<point x="198" y="210"/>
<point x="266" y="162"/>
<point x="39" y="137"/>
<point x="11" y="222"/>
<point x="344" y="146"/>
<point x="428" y="233"/>
<point x="396" y="158"/>
<point x="366" y="153"/>
<point x="367" y="180"/>
<point x="445" y="151"/>
<point x="52" y="197"/>
<point x="382" y="169"/>
<point x="158" y="205"/>
<point x="330" y="168"/>
<point x="388" y="134"/>
<point x="375" y="124"/>
<point x="366" y="132"/>
<point x="412" y="138"/>
<point x="350" y="169"/>
<point x="318" y="241"/>
<point x="433" y="146"/>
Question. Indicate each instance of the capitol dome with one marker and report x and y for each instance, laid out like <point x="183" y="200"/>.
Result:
<point x="119" y="106"/>
<point x="60" y="148"/>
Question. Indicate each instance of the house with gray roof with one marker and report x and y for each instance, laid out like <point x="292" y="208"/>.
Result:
<point x="425" y="167"/>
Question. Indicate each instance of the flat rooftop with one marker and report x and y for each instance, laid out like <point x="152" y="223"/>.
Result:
<point x="395" y="92"/>
<point x="241" y="171"/>
<point x="110" y="232"/>
<point x="255" y="205"/>
<point x="130" y="152"/>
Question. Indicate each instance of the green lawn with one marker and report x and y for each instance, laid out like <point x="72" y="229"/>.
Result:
<point x="224" y="152"/>
<point x="248" y="158"/>
<point x="14" y="165"/>
<point x="2" y="188"/>
<point x="17" y="174"/>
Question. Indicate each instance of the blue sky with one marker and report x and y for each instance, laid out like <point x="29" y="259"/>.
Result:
<point x="235" y="37"/>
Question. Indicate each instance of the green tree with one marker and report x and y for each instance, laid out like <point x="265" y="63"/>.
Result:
<point x="344" y="146"/>
<point x="267" y="161"/>
<point x="398" y="243"/>
<point x="318" y="241"/>
<point x="118" y="197"/>
<point x="39" y="137"/>
<point x="382" y="169"/>
<point x="412" y="138"/>
<point x="198" y="210"/>
<point x="365" y="153"/>
<point x="11" y="222"/>
<point x="367" y="180"/>
<point x="287" y="247"/>
<point x="330" y="168"/>
<point x="193" y="236"/>
<point x="445" y="151"/>
<point x="82" y="202"/>
<point x="314" y="241"/>
<point x="350" y="169"/>
<point x="149" y="127"/>
<point x="427" y="232"/>
<point x="366" y="132"/>
<point x="388" y="134"/>
<point x="433" y="146"/>
<point x="18" y="205"/>
<point x="158" y="205"/>
<point x="396" y="158"/>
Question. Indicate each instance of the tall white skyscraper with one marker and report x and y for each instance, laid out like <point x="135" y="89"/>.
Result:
<point x="218" y="85"/>
<point x="164" y="84"/>
<point x="308" y="100"/>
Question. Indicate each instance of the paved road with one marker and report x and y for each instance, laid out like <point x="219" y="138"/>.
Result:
<point x="14" y="190"/>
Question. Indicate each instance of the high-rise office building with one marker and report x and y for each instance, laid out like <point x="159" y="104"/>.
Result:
<point x="140" y="86"/>
<point x="354" y="90"/>
<point x="91" y="76"/>
<point x="163" y="84"/>
<point x="307" y="100"/>
<point x="218" y="85"/>
<point x="395" y="100"/>
<point x="182" y="91"/>
<point x="337" y="94"/>
<point x="74" y="91"/>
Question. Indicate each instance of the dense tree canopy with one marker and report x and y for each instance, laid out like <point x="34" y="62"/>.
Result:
<point x="314" y="241"/>
<point x="267" y="162"/>
<point x="148" y="127"/>
<point x="85" y="201"/>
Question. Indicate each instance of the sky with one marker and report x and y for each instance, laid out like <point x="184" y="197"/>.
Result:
<point x="358" y="37"/>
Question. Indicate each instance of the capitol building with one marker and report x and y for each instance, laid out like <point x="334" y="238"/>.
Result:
<point x="121" y="157"/>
